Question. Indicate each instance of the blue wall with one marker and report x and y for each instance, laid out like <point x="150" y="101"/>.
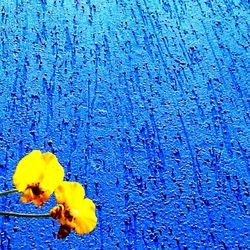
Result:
<point x="146" y="103"/>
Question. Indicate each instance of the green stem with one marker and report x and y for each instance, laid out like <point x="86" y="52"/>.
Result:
<point x="8" y="192"/>
<point x="25" y="215"/>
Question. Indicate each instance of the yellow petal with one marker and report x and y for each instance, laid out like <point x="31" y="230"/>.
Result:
<point x="40" y="172"/>
<point x="69" y="193"/>
<point x="75" y="212"/>
<point x="28" y="170"/>
<point x="26" y="196"/>
<point x="53" y="173"/>
<point x="85" y="218"/>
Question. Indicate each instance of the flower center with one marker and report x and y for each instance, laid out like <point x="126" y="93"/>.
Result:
<point x="68" y="216"/>
<point x="36" y="190"/>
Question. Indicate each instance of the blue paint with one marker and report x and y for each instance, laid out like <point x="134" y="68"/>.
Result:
<point x="146" y="103"/>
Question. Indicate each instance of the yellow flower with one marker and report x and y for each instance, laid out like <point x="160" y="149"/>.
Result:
<point x="74" y="211"/>
<point x="37" y="175"/>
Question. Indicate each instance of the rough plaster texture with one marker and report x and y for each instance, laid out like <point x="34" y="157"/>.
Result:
<point x="146" y="103"/>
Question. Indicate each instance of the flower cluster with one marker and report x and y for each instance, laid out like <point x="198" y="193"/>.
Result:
<point x="39" y="175"/>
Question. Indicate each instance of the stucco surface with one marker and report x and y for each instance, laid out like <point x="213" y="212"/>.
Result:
<point x="146" y="103"/>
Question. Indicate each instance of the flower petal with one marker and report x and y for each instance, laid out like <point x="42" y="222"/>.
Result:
<point x="85" y="219"/>
<point x="74" y="211"/>
<point x="28" y="170"/>
<point x="37" y="175"/>
<point x="53" y="172"/>
<point x="69" y="193"/>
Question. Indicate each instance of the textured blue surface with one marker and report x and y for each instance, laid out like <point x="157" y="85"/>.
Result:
<point x="146" y="103"/>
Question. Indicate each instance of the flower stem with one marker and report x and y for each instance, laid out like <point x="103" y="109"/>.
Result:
<point x="8" y="192"/>
<point x="25" y="215"/>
